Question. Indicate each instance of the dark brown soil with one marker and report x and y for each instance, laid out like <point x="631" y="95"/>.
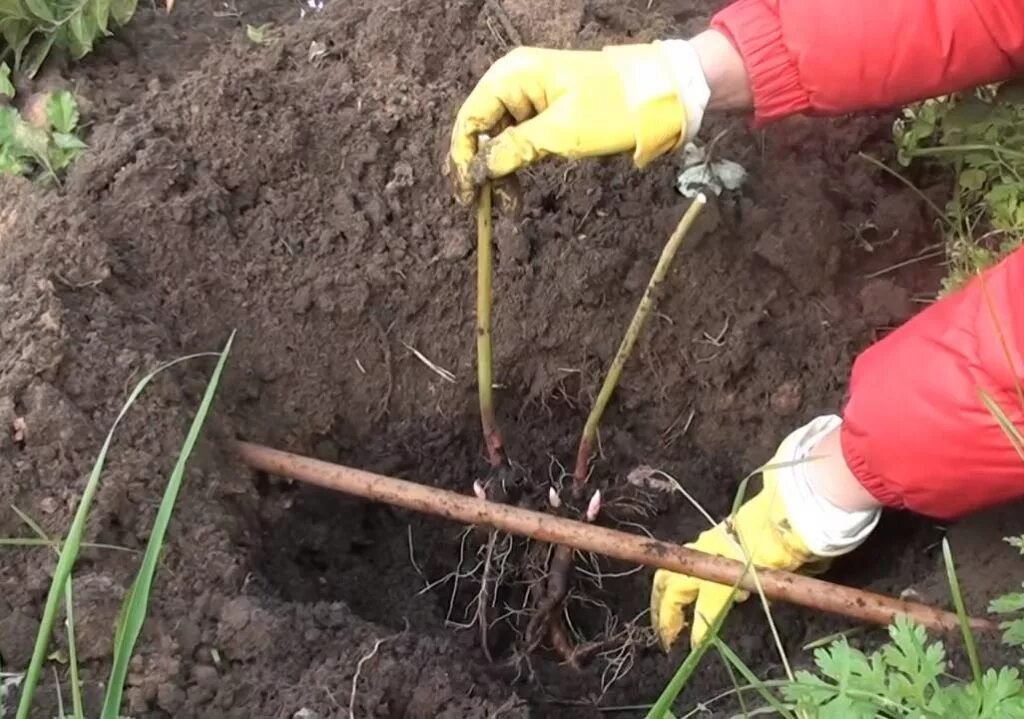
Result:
<point x="299" y="202"/>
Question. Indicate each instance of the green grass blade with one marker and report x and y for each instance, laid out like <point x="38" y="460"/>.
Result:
<point x="961" y="612"/>
<point x="1003" y="344"/>
<point x="733" y="658"/>
<point x="1007" y="425"/>
<point x="69" y="548"/>
<point x="663" y="706"/>
<point x="32" y="524"/>
<point x="69" y="621"/>
<point x="55" y="544"/>
<point x="137" y="602"/>
<point x="741" y="494"/>
<point x="735" y="684"/>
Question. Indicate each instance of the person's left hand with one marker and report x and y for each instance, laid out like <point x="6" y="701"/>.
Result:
<point x="810" y="510"/>
<point x="763" y="529"/>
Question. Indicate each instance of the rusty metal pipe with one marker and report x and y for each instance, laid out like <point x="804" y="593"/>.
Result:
<point x="805" y="591"/>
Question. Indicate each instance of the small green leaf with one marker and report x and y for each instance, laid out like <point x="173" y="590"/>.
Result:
<point x="1013" y="632"/>
<point x="6" y="86"/>
<point x="67" y="141"/>
<point x="9" y="119"/>
<point x="17" y="32"/>
<point x="10" y="165"/>
<point x="972" y="179"/>
<point x="122" y="10"/>
<point x="42" y="10"/>
<point x="59" y="159"/>
<point x="99" y="10"/>
<point x="259" y="34"/>
<point x="82" y="33"/>
<point x="62" y="111"/>
<point x="37" y="54"/>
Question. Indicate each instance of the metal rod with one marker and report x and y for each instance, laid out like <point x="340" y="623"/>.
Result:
<point x="792" y="588"/>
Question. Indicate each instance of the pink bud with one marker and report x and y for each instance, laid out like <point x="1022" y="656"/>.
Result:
<point x="594" y="508"/>
<point x="553" y="499"/>
<point x="478" y="490"/>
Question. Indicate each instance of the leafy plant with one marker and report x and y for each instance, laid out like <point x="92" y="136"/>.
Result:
<point x="908" y="676"/>
<point x="52" y="147"/>
<point x="1011" y="603"/>
<point x="902" y="678"/>
<point x="980" y="137"/>
<point x="30" y="29"/>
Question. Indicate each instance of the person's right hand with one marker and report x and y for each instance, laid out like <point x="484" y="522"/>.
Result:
<point x="574" y="104"/>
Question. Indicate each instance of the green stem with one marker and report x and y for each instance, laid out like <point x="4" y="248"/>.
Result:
<point x="485" y="376"/>
<point x="955" y="149"/>
<point x="636" y="324"/>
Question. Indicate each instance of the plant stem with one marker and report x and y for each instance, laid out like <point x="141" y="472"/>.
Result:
<point x="485" y="377"/>
<point x="636" y="324"/>
<point x="958" y="149"/>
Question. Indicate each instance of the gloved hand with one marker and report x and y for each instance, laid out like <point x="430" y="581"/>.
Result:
<point x="574" y="104"/>
<point x="786" y="526"/>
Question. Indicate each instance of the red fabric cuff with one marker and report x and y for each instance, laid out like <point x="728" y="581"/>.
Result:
<point x="873" y="482"/>
<point x="755" y="29"/>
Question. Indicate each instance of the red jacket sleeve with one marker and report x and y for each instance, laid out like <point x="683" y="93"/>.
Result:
<point x="838" y="56"/>
<point x="915" y="431"/>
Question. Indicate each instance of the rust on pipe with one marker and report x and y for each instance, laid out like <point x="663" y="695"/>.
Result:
<point x="809" y="592"/>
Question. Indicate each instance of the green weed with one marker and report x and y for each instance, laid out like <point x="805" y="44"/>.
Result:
<point x="980" y="138"/>
<point x="133" y="611"/>
<point x="52" y="147"/>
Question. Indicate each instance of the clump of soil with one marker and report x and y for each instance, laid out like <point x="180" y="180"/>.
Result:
<point x="296" y="197"/>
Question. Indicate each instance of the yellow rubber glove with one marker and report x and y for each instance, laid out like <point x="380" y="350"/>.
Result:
<point x="568" y="103"/>
<point x="763" y="529"/>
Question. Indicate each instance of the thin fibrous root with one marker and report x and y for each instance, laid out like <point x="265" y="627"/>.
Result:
<point x="487" y="584"/>
<point x="362" y="661"/>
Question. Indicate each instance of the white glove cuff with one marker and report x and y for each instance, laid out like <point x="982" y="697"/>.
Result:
<point x="826" y="529"/>
<point x="694" y="92"/>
